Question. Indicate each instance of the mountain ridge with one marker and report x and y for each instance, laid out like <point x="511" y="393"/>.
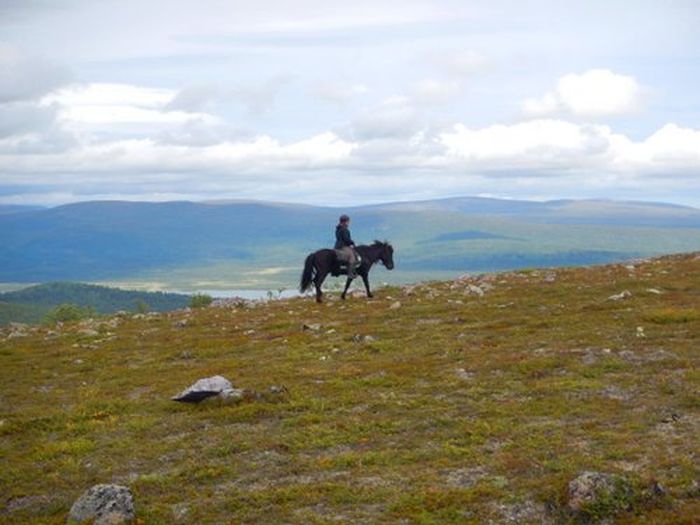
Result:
<point x="122" y="240"/>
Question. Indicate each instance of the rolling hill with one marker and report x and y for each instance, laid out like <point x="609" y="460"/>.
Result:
<point x="483" y="399"/>
<point x="31" y="304"/>
<point x="256" y="244"/>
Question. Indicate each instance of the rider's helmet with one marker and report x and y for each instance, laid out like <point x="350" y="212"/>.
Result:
<point x="344" y="218"/>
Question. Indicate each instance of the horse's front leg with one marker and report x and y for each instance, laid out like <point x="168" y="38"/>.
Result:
<point x="347" y="285"/>
<point x="365" y="279"/>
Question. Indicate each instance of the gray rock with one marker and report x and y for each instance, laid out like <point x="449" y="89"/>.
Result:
<point x="105" y="504"/>
<point x="601" y="492"/>
<point x="359" y="338"/>
<point x="625" y="294"/>
<point x="464" y="374"/>
<point x="473" y="290"/>
<point x="204" y="388"/>
<point x="231" y="395"/>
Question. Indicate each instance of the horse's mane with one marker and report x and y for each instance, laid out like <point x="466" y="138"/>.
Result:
<point x="381" y="244"/>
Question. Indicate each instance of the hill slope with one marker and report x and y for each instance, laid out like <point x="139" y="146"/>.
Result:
<point x="31" y="304"/>
<point x="262" y="245"/>
<point x="472" y="401"/>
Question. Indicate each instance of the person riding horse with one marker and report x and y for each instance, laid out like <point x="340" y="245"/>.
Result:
<point x="344" y="246"/>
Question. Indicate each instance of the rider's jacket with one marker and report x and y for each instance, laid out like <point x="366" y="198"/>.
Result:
<point x="342" y="237"/>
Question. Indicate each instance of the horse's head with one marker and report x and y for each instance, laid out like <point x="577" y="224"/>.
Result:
<point x="386" y="255"/>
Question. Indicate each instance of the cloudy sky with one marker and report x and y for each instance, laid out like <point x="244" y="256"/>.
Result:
<point x="330" y="102"/>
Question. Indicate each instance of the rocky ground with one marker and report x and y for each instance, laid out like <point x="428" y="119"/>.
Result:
<point x="541" y="396"/>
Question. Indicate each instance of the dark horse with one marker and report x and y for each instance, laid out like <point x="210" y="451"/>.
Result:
<point x="319" y="264"/>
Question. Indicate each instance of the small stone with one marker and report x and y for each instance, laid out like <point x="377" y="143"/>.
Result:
<point x="640" y="331"/>
<point x="654" y="291"/>
<point x="395" y="305"/>
<point x="464" y="374"/>
<point x="231" y="395"/>
<point x="105" y="504"/>
<point x="625" y="294"/>
<point x="473" y="290"/>
<point x="311" y="327"/>
<point x="358" y="338"/>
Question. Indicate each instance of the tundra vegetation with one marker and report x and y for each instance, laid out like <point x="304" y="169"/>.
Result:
<point x="476" y="400"/>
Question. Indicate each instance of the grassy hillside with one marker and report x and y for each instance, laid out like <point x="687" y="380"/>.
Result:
<point x="31" y="304"/>
<point x="473" y="401"/>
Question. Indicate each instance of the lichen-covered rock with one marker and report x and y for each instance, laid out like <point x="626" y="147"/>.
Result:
<point x="105" y="504"/>
<point x="597" y="495"/>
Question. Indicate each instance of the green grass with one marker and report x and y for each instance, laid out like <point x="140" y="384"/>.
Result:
<point x="462" y="410"/>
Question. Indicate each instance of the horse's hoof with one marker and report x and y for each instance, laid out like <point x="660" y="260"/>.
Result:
<point x="342" y="297"/>
<point x="370" y="295"/>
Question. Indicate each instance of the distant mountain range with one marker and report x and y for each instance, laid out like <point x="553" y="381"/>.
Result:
<point x="112" y="240"/>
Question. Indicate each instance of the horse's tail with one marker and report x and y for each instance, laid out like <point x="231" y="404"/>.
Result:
<point x="307" y="274"/>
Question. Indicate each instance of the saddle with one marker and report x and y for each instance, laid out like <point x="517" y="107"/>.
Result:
<point x="341" y="267"/>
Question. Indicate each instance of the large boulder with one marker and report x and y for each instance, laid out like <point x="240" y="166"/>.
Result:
<point x="204" y="388"/>
<point x="104" y="505"/>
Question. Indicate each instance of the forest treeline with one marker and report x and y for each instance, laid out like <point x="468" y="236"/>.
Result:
<point x="34" y="303"/>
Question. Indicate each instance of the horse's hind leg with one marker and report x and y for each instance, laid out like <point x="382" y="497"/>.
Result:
<point x="318" y="282"/>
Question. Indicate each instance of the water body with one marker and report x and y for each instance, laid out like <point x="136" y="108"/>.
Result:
<point x="250" y="295"/>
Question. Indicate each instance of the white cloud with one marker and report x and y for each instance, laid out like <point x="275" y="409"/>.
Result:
<point x="431" y="91"/>
<point x="541" y="157"/>
<point x="337" y="92"/>
<point x="595" y="93"/>
<point x="394" y="117"/>
<point x="460" y="63"/>
<point x="670" y="152"/>
<point x="534" y="144"/>
<point x="20" y="118"/>
<point x="105" y="105"/>
<point x="25" y="78"/>
<point x="532" y="149"/>
<point x="193" y="98"/>
<point x="260" y="98"/>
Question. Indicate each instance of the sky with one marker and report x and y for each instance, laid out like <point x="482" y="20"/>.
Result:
<point x="347" y="103"/>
